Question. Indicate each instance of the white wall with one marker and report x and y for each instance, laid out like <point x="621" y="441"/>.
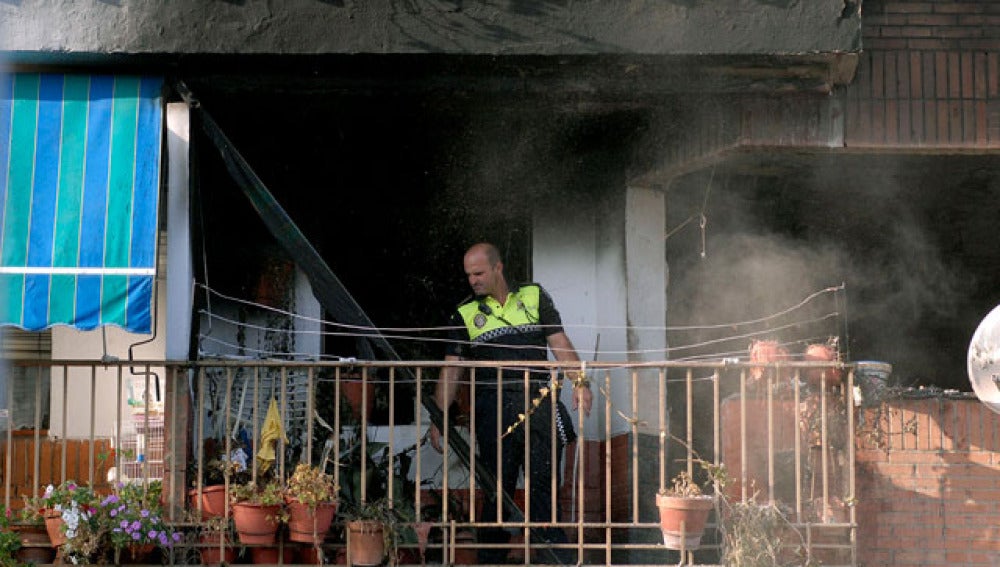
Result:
<point x="103" y="393"/>
<point x="603" y="263"/>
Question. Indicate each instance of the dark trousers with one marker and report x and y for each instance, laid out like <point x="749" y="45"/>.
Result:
<point x="540" y="470"/>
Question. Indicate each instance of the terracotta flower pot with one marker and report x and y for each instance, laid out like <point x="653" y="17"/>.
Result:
<point x="311" y="555"/>
<point x="765" y="352"/>
<point x="367" y="543"/>
<point x="465" y="555"/>
<point x="822" y="377"/>
<point x="135" y="554"/>
<point x="307" y="525"/>
<point x="683" y="519"/>
<point x="213" y="500"/>
<point x="359" y="395"/>
<point x="269" y="555"/>
<point x="53" y="525"/>
<point x="210" y="555"/>
<point x="256" y="523"/>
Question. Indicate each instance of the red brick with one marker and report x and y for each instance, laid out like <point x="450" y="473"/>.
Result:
<point x="958" y="7"/>
<point x="885" y="44"/>
<point x="932" y="44"/>
<point x="908" y="7"/>
<point x="916" y="86"/>
<point x="979" y="44"/>
<point x="936" y="20"/>
<point x="978" y="21"/>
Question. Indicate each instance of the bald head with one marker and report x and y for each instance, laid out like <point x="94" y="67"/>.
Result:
<point x="484" y="269"/>
<point x="491" y="252"/>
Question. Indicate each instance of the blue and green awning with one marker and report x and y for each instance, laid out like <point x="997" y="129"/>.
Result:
<point x="79" y="184"/>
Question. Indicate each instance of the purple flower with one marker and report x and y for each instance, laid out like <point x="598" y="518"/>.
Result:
<point x="109" y="500"/>
<point x="136" y="525"/>
<point x="151" y="534"/>
<point x="163" y="539"/>
<point x="113" y="513"/>
<point x="124" y="524"/>
<point x="144" y="513"/>
<point x="136" y="536"/>
<point x="176" y="536"/>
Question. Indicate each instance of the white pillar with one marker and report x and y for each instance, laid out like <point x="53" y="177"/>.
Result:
<point x="180" y="276"/>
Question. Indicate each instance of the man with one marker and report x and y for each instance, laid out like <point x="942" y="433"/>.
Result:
<point x="500" y="323"/>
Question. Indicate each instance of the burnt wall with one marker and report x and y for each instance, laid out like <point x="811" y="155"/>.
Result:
<point x="55" y="30"/>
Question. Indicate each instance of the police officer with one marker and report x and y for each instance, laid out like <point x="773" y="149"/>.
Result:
<point x="500" y="323"/>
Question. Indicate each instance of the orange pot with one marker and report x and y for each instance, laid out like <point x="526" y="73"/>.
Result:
<point x="213" y="500"/>
<point x="53" y="525"/>
<point x="822" y="377"/>
<point x="765" y="352"/>
<point x="210" y="555"/>
<point x="367" y="543"/>
<point x="683" y="519"/>
<point x="309" y="526"/>
<point x="255" y="523"/>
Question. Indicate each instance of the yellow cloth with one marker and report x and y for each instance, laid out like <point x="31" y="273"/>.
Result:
<point x="269" y="436"/>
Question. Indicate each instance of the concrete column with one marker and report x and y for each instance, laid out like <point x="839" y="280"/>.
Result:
<point x="180" y="277"/>
<point x="646" y="277"/>
<point x="180" y="298"/>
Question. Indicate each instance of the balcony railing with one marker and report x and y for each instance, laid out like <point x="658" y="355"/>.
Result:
<point x="774" y="438"/>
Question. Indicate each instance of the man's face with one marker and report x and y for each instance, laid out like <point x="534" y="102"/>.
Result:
<point x="483" y="278"/>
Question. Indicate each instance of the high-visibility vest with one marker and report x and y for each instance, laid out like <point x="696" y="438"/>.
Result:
<point x="485" y="318"/>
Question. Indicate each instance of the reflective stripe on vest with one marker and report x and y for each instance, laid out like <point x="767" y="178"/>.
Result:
<point x="520" y="312"/>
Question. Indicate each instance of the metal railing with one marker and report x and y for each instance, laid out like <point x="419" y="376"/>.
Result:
<point x="779" y="437"/>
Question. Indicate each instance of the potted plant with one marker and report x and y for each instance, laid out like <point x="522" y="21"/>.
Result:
<point x="311" y="498"/>
<point x="61" y="507"/>
<point x="36" y="547"/>
<point x="373" y="531"/>
<point x="10" y="543"/>
<point x="130" y="521"/>
<point x="209" y="495"/>
<point x="683" y="513"/>
<point x="257" y="511"/>
<point x="378" y="507"/>
<point x="216" y="537"/>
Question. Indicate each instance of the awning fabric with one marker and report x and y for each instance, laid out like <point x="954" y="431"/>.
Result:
<point x="79" y="183"/>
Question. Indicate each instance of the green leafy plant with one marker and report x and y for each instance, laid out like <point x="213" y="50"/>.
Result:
<point x="10" y="542"/>
<point x="65" y="496"/>
<point x="394" y="520"/>
<point x="269" y="493"/>
<point x="311" y="486"/>
<point x="218" y="465"/>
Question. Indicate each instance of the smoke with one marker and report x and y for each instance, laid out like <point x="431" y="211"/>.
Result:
<point x="769" y="243"/>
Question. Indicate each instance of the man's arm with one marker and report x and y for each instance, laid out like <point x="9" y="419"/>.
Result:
<point x="562" y="348"/>
<point x="444" y="393"/>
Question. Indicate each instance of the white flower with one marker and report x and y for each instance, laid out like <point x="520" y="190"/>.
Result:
<point x="48" y="491"/>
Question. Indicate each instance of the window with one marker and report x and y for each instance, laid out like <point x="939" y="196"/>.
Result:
<point x="18" y="383"/>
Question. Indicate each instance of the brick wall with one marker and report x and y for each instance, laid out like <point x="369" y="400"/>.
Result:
<point x="928" y="75"/>
<point x="928" y="484"/>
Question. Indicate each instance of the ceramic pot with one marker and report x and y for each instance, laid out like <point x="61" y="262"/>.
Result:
<point x="307" y="525"/>
<point x="255" y="523"/>
<point x="213" y="500"/>
<point x="53" y="525"/>
<point x="367" y="543"/>
<point x="683" y="519"/>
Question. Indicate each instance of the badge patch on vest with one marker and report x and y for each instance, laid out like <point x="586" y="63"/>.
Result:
<point x="479" y="321"/>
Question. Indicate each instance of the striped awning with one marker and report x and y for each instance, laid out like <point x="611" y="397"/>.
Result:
<point x="79" y="184"/>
